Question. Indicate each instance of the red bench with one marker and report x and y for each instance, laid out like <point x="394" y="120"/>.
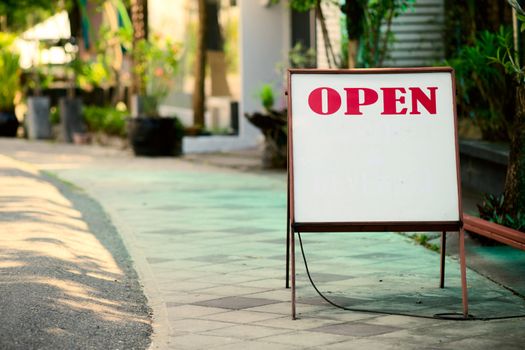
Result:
<point x="505" y="235"/>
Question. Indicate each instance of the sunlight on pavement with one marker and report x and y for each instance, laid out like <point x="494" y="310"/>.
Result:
<point x="42" y="229"/>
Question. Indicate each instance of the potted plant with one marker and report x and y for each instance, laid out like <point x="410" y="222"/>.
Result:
<point x="149" y="134"/>
<point x="10" y="75"/>
<point x="273" y="125"/>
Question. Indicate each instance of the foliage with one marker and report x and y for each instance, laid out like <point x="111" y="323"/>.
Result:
<point x="266" y="96"/>
<point x="377" y="33"/>
<point x="54" y="116"/>
<point x="477" y="77"/>
<point x="304" y="5"/>
<point x="93" y="74"/>
<point x="103" y="68"/>
<point x="156" y="62"/>
<point x="465" y="19"/>
<point x="353" y="18"/>
<point x="231" y="44"/>
<point x="492" y="209"/>
<point x="511" y="58"/>
<point x="301" y="57"/>
<point x="372" y="25"/>
<point x="507" y="56"/>
<point x="101" y="71"/>
<point x="10" y="72"/>
<point x="18" y="11"/>
<point x="298" y="57"/>
<point x="424" y="240"/>
<point x="106" y="119"/>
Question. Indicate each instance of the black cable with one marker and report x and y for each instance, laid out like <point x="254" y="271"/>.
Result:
<point x="452" y="316"/>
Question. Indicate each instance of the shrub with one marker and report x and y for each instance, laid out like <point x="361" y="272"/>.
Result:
<point x="105" y="119"/>
<point x="9" y="72"/>
<point x="477" y="77"/>
<point x="491" y="209"/>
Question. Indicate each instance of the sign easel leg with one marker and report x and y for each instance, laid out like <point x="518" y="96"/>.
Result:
<point x="288" y="234"/>
<point x="288" y="256"/>
<point x="292" y="242"/>
<point x="463" y="268"/>
<point x="443" y="252"/>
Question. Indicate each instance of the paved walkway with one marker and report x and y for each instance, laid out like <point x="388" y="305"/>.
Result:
<point x="208" y="244"/>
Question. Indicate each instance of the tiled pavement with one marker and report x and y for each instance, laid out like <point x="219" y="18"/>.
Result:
<point x="209" y="246"/>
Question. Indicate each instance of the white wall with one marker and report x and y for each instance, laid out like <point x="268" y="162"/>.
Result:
<point x="265" y="41"/>
<point x="264" y="44"/>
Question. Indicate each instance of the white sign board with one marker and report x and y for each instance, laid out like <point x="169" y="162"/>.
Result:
<point x="373" y="146"/>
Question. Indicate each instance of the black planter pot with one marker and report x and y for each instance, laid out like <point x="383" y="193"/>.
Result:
<point x="8" y="124"/>
<point x="71" y="117"/>
<point x="155" y="136"/>
<point x="273" y="126"/>
<point x="37" y="118"/>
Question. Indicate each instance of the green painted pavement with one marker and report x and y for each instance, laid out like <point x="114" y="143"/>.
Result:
<point x="209" y="245"/>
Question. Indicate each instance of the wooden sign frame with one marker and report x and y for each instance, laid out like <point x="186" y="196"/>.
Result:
<point x="383" y="226"/>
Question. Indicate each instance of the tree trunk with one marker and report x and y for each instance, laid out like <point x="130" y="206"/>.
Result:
<point x="200" y="65"/>
<point x="515" y="180"/>
<point x="215" y="56"/>
<point x="353" y="46"/>
<point x="329" y="52"/>
<point x="355" y="12"/>
<point x="139" y="20"/>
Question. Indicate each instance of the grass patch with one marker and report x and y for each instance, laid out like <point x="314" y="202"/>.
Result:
<point x="423" y="240"/>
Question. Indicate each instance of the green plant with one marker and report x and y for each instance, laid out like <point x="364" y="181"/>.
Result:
<point x="492" y="209"/>
<point x="105" y="68"/>
<point x="423" y="239"/>
<point x="377" y="35"/>
<point x="105" y="119"/>
<point x="10" y="72"/>
<point x="478" y="75"/>
<point x="156" y="62"/>
<point x="266" y="96"/>
<point x="54" y="115"/>
<point x="93" y="74"/>
<point x="507" y="55"/>
<point x="301" y="57"/>
<point x="511" y="55"/>
<point x="367" y="22"/>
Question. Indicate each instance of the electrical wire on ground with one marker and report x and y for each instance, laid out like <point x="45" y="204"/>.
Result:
<point x="452" y="316"/>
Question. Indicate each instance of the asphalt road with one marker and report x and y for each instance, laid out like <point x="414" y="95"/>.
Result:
<point x="66" y="280"/>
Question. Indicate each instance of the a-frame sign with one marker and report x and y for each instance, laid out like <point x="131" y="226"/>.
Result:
<point x="373" y="150"/>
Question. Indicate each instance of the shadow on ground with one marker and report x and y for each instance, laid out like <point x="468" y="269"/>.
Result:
<point x="66" y="280"/>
